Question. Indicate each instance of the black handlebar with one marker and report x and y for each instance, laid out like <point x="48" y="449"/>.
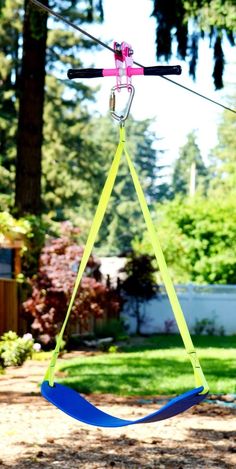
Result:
<point x="163" y="70"/>
<point x="98" y="72"/>
<point x="85" y="73"/>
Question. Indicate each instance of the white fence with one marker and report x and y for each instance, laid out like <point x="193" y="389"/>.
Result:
<point x="214" y="303"/>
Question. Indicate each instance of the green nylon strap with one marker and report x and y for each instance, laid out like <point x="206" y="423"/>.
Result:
<point x="177" y="310"/>
<point x="101" y="209"/>
<point x="96" y="223"/>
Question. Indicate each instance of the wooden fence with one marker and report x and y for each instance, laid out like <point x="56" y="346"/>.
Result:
<point x="8" y="305"/>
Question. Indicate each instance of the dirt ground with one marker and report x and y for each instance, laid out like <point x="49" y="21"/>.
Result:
<point x="36" y="435"/>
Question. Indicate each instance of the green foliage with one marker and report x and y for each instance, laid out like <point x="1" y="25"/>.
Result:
<point x="42" y="356"/>
<point x="139" y="286"/>
<point x="10" y="29"/>
<point x="76" y="157"/>
<point x="30" y="231"/>
<point x="223" y="157"/>
<point x="111" y="328"/>
<point x="15" y="350"/>
<point x="74" y="172"/>
<point x="186" y="22"/>
<point x="198" y="236"/>
<point x="113" y="349"/>
<point x="140" y="280"/>
<point x="207" y="326"/>
<point x="198" y="239"/>
<point x="123" y="219"/>
<point x="66" y="156"/>
<point x="63" y="51"/>
<point x="12" y="229"/>
<point x="39" y="228"/>
<point x="77" y="150"/>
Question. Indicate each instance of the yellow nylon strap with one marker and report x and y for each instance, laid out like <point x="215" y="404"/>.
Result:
<point x="96" y="223"/>
<point x="177" y="310"/>
<point x="101" y="209"/>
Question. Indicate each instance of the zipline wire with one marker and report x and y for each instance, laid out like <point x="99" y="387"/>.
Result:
<point x="64" y="20"/>
<point x="103" y="44"/>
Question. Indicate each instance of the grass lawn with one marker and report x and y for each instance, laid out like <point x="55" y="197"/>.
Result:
<point x="156" y="366"/>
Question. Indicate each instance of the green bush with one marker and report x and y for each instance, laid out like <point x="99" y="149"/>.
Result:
<point x="198" y="239"/>
<point x="14" y="350"/>
<point x="112" y="328"/>
<point x="12" y="229"/>
<point x="208" y="327"/>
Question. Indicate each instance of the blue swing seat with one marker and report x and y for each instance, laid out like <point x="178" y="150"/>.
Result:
<point x="73" y="404"/>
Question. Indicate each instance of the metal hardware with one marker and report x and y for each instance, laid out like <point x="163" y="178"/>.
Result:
<point x="123" y="61"/>
<point x="125" y="113"/>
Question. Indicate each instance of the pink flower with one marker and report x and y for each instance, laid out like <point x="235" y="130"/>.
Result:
<point x="27" y="337"/>
<point x="37" y="347"/>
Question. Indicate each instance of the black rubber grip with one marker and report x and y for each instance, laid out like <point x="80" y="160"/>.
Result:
<point x="85" y="73"/>
<point x="163" y="70"/>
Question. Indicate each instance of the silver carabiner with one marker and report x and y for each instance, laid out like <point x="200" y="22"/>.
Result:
<point x="125" y="112"/>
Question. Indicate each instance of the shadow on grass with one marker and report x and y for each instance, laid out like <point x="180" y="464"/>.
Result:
<point x="146" y="373"/>
<point x="156" y="366"/>
<point x="124" y="376"/>
<point x="127" y="375"/>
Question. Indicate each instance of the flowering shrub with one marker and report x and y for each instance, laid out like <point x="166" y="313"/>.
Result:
<point x="15" y="350"/>
<point x="53" y="286"/>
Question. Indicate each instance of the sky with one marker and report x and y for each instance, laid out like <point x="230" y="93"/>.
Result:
<point x="174" y="111"/>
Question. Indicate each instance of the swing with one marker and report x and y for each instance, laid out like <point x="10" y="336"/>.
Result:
<point x="67" y="399"/>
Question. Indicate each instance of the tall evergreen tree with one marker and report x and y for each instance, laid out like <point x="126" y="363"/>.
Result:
<point x="189" y="159"/>
<point x="24" y="80"/>
<point x="223" y="158"/>
<point x="123" y="220"/>
<point x="70" y="157"/>
<point x="186" y="22"/>
<point x="30" y="119"/>
<point x="10" y="32"/>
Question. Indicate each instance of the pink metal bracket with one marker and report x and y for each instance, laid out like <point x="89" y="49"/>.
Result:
<point x="123" y="62"/>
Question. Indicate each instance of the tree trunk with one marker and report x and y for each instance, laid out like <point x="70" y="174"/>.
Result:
<point x="30" y="122"/>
